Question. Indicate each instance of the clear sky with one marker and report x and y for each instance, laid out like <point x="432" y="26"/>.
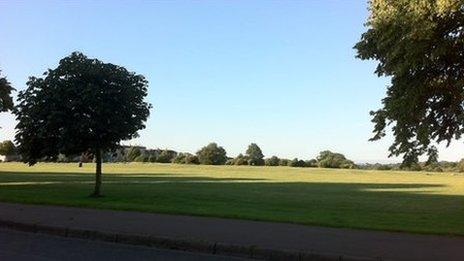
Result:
<point x="281" y="74"/>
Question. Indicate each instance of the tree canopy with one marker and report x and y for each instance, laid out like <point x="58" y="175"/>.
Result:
<point x="212" y="154"/>
<point x="185" y="158"/>
<point x="272" y="161"/>
<point x="82" y="105"/>
<point x="328" y="159"/>
<point x="432" y="156"/>
<point x="165" y="156"/>
<point x="133" y="153"/>
<point x="255" y="155"/>
<point x="419" y="44"/>
<point x="6" y="101"/>
<point x="297" y="163"/>
<point x="7" y="147"/>
<point x="240" y="160"/>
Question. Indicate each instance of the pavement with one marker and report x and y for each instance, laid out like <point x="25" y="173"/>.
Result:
<point x="24" y="246"/>
<point x="241" y="238"/>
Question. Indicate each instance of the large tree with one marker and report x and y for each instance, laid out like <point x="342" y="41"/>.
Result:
<point x="255" y="155"/>
<point x="212" y="154"/>
<point x="83" y="105"/>
<point x="420" y="45"/>
<point x="328" y="159"/>
<point x="6" y="101"/>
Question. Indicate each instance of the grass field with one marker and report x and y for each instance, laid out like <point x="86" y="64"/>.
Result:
<point x="384" y="200"/>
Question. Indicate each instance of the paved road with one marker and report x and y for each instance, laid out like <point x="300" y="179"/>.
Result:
<point x="268" y="235"/>
<point x="19" y="246"/>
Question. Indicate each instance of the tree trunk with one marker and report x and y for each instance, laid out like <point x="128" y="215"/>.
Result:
<point x="98" y="173"/>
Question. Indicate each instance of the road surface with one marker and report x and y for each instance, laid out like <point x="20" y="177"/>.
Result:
<point x="293" y="238"/>
<point x="22" y="246"/>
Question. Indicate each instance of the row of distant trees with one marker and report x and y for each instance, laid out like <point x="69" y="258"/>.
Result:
<point x="212" y="154"/>
<point x="441" y="166"/>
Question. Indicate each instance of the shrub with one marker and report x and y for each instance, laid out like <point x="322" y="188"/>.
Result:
<point x="212" y="154"/>
<point x="284" y="162"/>
<point x="460" y="166"/>
<point x="166" y="156"/>
<point x="179" y="159"/>
<point x="141" y="158"/>
<point x="383" y="167"/>
<point x="185" y="158"/>
<point x="133" y="153"/>
<point x="312" y="163"/>
<point x="432" y="167"/>
<point x="272" y="161"/>
<point x="191" y="159"/>
<point x="152" y="158"/>
<point x="297" y="163"/>
<point x="415" y="167"/>
<point x="7" y="148"/>
<point x="328" y="159"/>
<point x="348" y="164"/>
<point x="240" y="160"/>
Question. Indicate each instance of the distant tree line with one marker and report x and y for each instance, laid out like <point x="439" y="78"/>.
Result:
<point x="441" y="166"/>
<point x="213" y="154"/>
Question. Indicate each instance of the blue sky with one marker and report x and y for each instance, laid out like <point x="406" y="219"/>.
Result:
<point x="278" y="73"/>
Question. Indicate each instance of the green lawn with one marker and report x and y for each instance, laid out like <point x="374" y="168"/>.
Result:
<point x="385" y="200"/>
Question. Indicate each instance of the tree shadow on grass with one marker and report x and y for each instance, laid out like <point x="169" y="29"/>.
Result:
<point x="5" y="176"/>
<point x="412" y="207"/>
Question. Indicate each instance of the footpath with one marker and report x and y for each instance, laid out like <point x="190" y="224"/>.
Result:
<point x="242" y="238"/>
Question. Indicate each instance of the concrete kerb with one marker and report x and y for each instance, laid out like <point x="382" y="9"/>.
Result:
<point x="182" y="245"/>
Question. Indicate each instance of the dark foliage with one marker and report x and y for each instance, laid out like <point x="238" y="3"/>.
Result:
<point x="328" y="159"/>
<point x="272" y="161"/>
<point x="83" y="104"/>
<point x="419" y="44"/>
<point x="6" y="101"/>
<point x="212" y="154"/>
<point x="297" y="163"/>
<point x="255" y="155"/>
<point x="7" y="148"/>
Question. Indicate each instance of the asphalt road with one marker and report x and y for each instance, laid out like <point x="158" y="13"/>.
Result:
<point x="19" y="246"/>
<point x="323" y="241"/>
